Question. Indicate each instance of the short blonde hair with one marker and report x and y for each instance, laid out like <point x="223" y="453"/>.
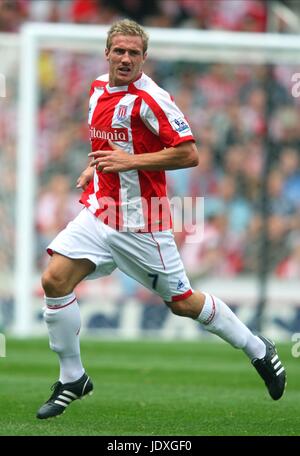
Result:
<point x="127" y="27"/>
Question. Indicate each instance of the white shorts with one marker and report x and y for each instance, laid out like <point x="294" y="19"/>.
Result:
<point x="150" y="258"/>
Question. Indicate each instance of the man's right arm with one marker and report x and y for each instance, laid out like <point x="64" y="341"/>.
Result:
<point x="85" y="177"/>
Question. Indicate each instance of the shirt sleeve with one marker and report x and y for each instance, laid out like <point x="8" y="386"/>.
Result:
<point x="163" y="117"/>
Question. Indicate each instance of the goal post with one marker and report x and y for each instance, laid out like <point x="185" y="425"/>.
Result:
<point x="26" y="181"/>
<point x="172" y="44"/>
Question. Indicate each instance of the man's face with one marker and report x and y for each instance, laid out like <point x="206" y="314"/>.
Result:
<point x="125" y="58"/>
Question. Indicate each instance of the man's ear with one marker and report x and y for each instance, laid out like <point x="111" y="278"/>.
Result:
<point x="145" y="56"/>
<point x="106" y="53"/>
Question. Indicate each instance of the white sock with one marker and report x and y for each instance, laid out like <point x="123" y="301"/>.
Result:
<point x="217" y="318"/>
<point x="63" y="321"/>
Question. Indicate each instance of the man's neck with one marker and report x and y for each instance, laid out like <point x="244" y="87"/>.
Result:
<point x="112" y="85"/>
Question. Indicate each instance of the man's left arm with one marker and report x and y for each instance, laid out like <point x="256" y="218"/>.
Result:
<point x="184" y="155"/>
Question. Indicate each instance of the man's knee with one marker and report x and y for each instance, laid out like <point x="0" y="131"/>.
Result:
<point x="54" y="284"/>
<point x="180" y="308"/>
<point x="189" y="307"/>
<point x="177" y="308"/>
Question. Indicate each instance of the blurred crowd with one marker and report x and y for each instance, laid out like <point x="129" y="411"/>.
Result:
<point x="226" y="106"/>
<point x="250" y="15"/>
<point x="244" y="117"/>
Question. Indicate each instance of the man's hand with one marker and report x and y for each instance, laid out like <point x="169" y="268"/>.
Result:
<point x="85" y="178"/>
<point x="112" y="161"/>
<point x="184" y="155"/>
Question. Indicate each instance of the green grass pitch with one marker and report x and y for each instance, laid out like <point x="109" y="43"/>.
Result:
<point x="149" y="388"/>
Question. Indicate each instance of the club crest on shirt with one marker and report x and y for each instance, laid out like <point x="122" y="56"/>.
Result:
<point x="122" y="112"/>
<point x="180" y="124"/>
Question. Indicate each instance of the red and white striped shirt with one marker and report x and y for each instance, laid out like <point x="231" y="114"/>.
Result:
<point x="139" y="118"/>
